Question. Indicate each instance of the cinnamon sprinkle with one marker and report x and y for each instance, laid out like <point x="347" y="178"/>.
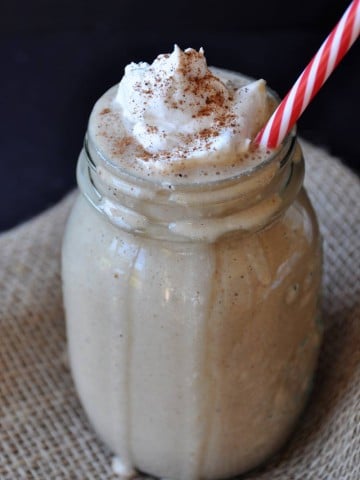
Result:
<point x="120" y="145"/>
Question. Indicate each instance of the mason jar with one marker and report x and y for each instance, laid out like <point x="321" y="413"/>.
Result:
<point x="192" y="313"/>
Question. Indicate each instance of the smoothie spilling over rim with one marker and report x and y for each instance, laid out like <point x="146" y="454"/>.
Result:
<point x="176" y="120"/>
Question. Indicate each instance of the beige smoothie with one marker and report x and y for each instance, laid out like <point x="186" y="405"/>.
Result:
<point x="191" y="274"/>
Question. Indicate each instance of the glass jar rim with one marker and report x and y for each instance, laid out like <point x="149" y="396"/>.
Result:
<point x="280" y="154"/>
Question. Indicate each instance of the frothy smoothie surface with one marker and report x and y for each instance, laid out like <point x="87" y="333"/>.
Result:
<point x="178" y="120"/>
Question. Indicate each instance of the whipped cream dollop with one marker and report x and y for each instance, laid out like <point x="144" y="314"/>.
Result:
<point x="177" y="102"/>
<point x="176" y="114"/>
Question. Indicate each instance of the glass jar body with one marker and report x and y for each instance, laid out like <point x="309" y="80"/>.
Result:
<point x="193" y="359"/>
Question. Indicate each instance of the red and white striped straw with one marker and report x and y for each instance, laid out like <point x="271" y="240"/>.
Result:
<point x="312" y="78"/>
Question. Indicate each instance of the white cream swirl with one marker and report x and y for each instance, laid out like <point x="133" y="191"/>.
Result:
<point x="177" y="121"/>
<point x="178" y="106"/>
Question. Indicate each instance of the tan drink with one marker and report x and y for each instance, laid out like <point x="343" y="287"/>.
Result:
<point x="191" y="269"/>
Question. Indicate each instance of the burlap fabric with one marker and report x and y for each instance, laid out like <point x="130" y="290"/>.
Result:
<point x="44" y="433"/>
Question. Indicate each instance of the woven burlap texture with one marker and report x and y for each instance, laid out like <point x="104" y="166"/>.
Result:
<point x="44" y="433"/>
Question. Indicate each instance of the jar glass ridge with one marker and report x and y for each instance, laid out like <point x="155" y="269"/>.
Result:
<point x="162" y="210"/>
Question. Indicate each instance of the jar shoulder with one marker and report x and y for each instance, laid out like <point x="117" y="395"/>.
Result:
<point x="300" y="220"/>
<point x="286" y="253"/>
<point x="297" y="229"/>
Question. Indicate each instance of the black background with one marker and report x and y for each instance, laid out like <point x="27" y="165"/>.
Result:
<point x="58" y="57"/>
